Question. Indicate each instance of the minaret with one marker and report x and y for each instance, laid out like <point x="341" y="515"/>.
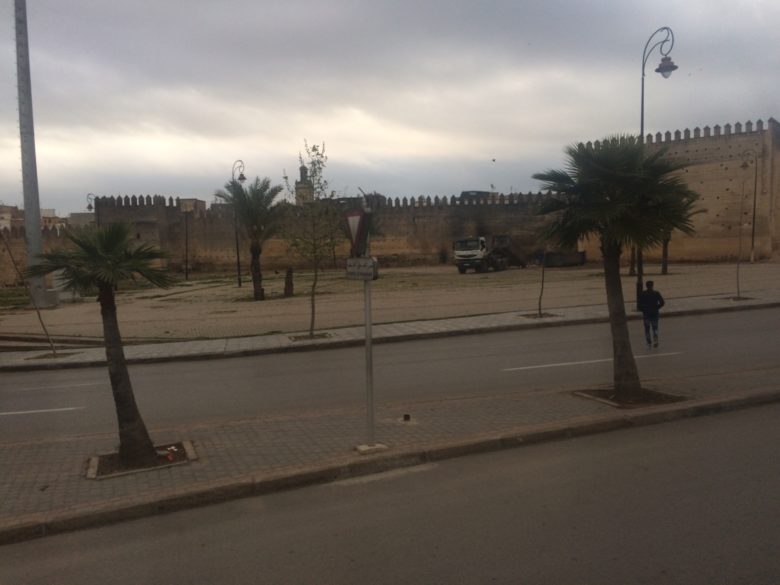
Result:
<point x="304" y="190"/>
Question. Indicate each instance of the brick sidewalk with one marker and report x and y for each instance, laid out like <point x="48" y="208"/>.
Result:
<point x="44" y="489"/>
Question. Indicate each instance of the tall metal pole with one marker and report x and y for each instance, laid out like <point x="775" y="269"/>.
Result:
<point x="665" y="69"/>
<point x="371" y="433"/>
<point x="32" y="210"/>
<point x="238" y="254"/>
<point x="370" y="423"/>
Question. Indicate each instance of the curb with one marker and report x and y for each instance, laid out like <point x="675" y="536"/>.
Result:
<point x="254" y="484"/>
<point x="342" y="343"/>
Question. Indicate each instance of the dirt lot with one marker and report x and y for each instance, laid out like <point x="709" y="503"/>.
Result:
<point x="217" y="308"/>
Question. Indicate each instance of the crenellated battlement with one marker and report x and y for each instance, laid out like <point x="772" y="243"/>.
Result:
<point x="390" y="203"/>
<point x="136" y="201"/>
<point x="716" y="131"/>
<point x="496" y="199"/>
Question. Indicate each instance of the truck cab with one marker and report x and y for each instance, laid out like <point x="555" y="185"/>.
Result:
<point x="471" y="253"/>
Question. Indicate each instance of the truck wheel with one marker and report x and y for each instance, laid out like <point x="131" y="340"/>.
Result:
<point x="462" y="269"/>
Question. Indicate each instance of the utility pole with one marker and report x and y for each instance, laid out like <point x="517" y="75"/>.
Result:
<point x="32" y="209"/>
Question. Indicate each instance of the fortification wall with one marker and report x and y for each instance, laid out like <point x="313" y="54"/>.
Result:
<point x="724" y="165"/>
<point x="422" y="230"/>
<point x="734" y="168"/>
<point x="409" y="231"/>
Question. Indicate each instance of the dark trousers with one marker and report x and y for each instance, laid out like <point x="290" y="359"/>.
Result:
<point x="651" y="322"/>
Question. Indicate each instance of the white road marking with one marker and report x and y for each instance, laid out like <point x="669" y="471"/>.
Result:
<point x="562" y="364"/>
<point x="41" y="411"/>
<point x="55" y="387"/>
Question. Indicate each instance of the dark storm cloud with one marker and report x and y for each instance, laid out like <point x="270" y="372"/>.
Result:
<point x="409" y="96"/>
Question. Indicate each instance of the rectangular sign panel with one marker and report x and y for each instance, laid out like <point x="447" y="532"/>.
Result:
<point x="362" y="269"/>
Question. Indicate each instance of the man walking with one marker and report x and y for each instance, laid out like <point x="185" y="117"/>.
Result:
<point x="650" y="301"/>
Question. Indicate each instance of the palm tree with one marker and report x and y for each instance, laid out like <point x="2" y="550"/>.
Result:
<point x="100" y="258"/>
<point x="255" y="209"/>
<point x="613" y="191"/>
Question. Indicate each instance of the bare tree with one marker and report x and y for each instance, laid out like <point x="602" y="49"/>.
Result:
<point x="313" y="226"/>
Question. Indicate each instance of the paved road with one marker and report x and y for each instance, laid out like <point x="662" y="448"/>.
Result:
<point x="76" y="402"/>
<point x="691" y="502"/>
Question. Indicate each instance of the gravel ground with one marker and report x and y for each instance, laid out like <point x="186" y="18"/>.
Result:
<point x="209" y="308"/>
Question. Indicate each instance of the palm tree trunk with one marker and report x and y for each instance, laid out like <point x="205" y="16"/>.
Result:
<point x="288" y="282"/>
<point x="135" y="446"/>
<point x="257" y="275"/>
<point x="665" y="256"/>
<point x="625" y="374"/>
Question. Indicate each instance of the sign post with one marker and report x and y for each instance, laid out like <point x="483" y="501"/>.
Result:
<point x="361" y="266"/>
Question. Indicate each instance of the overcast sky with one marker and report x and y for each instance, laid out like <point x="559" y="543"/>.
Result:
<point x="409" y="97"/>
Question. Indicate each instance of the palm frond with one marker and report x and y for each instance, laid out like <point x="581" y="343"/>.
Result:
<point x="613" y="190"/>
<point x="255" y="206"/>
<point x="102" y="256"/>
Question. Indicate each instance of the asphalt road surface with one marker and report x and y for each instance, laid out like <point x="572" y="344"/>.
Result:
<point x="36" y="405"/>
<point x="692" y="502"/>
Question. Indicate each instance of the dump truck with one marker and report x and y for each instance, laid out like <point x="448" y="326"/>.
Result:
<point x="474" y="253"/>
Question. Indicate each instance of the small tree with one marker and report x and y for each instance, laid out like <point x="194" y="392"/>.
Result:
<point x="256" y="212"/>
<point x="101" y="258"/>
<point x="613" y="191"/>
<point x="541" y="283"/>
<point x="314" y="228"/>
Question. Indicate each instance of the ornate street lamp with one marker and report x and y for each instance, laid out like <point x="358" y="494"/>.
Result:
<point x="665" y="68"/>
<point x="92" y="205"/>
<point x="238" y="166"/>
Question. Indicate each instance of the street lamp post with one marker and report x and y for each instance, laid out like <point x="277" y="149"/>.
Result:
<point x="664" y="40"/>
<point x="238" y="166"/>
